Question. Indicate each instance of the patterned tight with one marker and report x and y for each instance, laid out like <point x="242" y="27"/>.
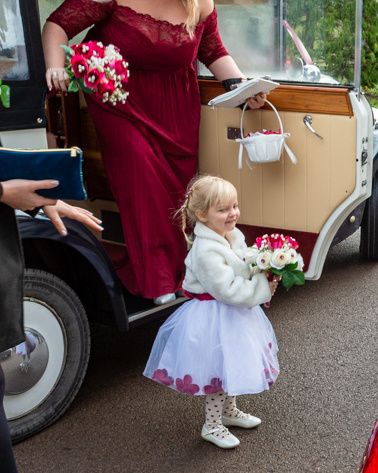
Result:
<point x="217" y="405"/>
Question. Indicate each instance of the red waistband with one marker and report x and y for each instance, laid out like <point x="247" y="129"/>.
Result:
<point x="201" y="297"/>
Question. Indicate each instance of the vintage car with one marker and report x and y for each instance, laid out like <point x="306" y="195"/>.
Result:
<point x="328" y="195"/>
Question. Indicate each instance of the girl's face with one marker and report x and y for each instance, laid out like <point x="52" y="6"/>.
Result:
<point x="221" y="217"/>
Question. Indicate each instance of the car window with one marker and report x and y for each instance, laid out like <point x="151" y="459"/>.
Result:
<point x="297" y="41"/>
<point x="13" y="58"/>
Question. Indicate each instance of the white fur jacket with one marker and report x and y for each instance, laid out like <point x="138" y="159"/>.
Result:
<point x="215" y="266"/>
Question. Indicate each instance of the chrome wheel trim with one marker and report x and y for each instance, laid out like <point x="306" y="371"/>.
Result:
<point x="42" y="320"/>
<point x="25" y="364"/>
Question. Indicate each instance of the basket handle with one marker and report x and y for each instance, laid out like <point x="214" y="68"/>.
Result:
<point x="274" y="110"/>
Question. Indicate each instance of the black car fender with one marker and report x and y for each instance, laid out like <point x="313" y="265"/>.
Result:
<point x="80" y="260"/>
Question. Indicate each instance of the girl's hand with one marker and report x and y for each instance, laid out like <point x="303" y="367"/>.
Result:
<point x="273" y="284"/>
<point x="61" y="209"/>
<point x="57" y="78"/>
<point x="257" y="101"/>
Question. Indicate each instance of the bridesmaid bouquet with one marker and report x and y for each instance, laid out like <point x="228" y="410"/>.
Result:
<point x="95" y="68"/>
<point x="277" y="255"/>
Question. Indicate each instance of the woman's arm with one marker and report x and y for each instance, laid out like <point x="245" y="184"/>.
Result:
<point x="53" y="36"/>
<point x="213" y="54"/>
<point x="69" y="19"/>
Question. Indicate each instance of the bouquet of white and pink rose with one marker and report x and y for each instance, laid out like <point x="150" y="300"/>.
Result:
<point x="277" y="255"/>
<point x="95" y="68"/>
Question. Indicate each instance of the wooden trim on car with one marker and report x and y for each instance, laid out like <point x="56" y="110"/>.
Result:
<point x="295" y="98"/>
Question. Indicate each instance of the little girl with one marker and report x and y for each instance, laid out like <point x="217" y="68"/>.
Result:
<point x="219" y="344"/>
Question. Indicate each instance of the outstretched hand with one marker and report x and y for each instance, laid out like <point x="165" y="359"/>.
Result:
<point x="61" y="209"/>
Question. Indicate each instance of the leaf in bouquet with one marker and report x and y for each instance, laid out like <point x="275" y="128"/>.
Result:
<point x="70" y="73"/>
<point x="5" y="95"/>
<point x="277" y="272"/>
<point x="85" y="89"/>
<point x="299" y="277"/>
<point x="73" y="86"/>
<point x="69" y="51"/>
<point x="291" y="266"/>
<point x="292" y="278"/>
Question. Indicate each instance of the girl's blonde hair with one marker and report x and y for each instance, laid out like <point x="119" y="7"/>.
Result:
<point x="191" y="7"/>
<point x="202" y="193"/>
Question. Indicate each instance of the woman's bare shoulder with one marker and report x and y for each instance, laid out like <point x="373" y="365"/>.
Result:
<point x="205" y="8"/>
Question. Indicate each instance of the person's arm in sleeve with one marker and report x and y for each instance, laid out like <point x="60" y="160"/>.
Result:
<point x="72" y="17"/>
<point x="219" y="280"/>
<point x="21" y="194"/>
<point x="215" y="57"/>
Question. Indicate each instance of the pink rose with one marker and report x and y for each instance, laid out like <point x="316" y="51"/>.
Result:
<point x="89" y="49"/>
<point x="292" y="242"/>
<point x="106" y="85"/>
<point x="93" y="78"/>
<point x="260" y="242"/>
<point x="79" y="65"/>
<point x="276" y="240"/>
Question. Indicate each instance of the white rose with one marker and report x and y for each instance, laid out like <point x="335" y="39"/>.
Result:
<point x="300" y="262"/>
<point x="280" y="259"/>
<point x="250" y="255"/>
<point x="263" y="260"/>
<point x="293" y="256"/>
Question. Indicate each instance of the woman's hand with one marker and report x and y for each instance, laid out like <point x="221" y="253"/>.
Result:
<point x="21" y="193"/>
<point x="257" y="101"/>
<point x="57" y="78"/>
<point x="61" y="209"/>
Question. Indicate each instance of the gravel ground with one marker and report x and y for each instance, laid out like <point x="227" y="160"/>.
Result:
<point x="317" y="418"/>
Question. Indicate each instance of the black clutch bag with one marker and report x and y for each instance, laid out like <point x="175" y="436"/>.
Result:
<point x="63" y="164"/>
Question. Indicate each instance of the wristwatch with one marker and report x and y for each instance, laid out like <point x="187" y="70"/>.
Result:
<point x="230" y="84"/>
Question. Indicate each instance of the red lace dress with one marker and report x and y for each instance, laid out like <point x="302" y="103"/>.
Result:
<point x="149" y="145"/>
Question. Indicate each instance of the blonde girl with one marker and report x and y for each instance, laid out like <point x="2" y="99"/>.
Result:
<point x="219" y="344"/>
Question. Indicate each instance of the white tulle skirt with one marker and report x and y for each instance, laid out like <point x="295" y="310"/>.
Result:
<point x="206" y="347"/>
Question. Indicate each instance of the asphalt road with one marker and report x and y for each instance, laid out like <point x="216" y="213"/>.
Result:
<point x="317" y="418"/>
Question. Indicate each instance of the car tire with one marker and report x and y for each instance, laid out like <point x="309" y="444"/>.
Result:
<point x="43" y="375"/>
<point x="369" y="225"/>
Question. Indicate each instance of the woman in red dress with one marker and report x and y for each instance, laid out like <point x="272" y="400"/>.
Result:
<point x="149" y="144"/>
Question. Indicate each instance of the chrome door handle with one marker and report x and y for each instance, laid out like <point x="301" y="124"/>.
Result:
<point x="307" y="120"/>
